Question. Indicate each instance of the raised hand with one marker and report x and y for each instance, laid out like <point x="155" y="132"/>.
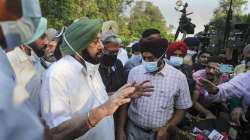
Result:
<point x="142" y="89"/>
<point x="122" y="96"/>
<point x="209" y="86"/>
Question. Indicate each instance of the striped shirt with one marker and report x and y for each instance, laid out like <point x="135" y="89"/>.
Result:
<point x="170" y="92"/>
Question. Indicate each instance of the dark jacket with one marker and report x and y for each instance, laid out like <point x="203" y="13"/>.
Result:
<point x="188" y="71"/>
<point x="113" y="77"/>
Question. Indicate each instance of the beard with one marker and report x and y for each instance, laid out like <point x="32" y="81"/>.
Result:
<point x="39" y="52"/>
<point x="86" y="56"/>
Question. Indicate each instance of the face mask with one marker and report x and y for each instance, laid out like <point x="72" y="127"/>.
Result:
<point x="150" y="66"/>
<point x="176" y="61"/>
<point x="191" y="52"/>
<point x="136" y="57"/>
<point x="16" y="32"/>
<point x="108" y="60"/>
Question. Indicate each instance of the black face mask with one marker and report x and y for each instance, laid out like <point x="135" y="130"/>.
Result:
<point x="39" y="52"/>
<point x="108" y="60"/>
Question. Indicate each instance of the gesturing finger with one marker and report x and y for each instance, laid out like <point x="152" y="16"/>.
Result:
<point x="144" y="82"/>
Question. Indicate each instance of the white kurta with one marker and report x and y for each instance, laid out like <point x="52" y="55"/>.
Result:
<point x="122" y="56"/>
<point x="69" y="88"/>
<point x="29" y="72"/>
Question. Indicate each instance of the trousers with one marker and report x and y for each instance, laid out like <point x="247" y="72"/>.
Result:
<point x="136" y="133"/>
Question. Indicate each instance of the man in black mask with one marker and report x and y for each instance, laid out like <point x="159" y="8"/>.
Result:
<point x="111" y="68"/>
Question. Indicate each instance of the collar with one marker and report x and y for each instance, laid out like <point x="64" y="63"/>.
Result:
<point x="77" y="65"/>
<point x="164" y="70"/>
<point x="90" y="69"/>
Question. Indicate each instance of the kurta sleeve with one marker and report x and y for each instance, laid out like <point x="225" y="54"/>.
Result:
<point x="233" y="88"/>
<point x="54" y="101"/>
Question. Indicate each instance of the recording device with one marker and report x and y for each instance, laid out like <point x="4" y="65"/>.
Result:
<point x="185" y="24"/>
<point x="238" y="36"/>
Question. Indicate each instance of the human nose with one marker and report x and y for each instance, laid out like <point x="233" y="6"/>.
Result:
<point x="100" y="45"/>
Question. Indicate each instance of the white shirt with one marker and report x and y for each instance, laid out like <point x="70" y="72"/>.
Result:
<point x="29" y="72"/>
<point x="68" y="88"/>
<point x="17" y="123"/>
<point x="122" y="56"/>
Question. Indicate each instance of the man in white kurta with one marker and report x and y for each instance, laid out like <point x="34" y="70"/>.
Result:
<point x="29" y="72"/>
<point x="17" y="123"/>
<point x="69" y="88"/>
<point x="28" y="68"/>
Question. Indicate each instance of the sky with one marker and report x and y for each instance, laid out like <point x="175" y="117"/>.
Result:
<point x="202" y="11"/>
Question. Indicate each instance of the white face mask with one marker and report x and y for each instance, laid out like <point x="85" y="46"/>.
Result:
<point x="191" y="52"/>
<point x="176" y="61"/>
<point x="17" y="32"/>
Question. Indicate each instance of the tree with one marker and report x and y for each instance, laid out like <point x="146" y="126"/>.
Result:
<point x="237" y="6"/>
<point x="63" y="12"/>
<point x="145" y="15"/>
<point x="219" y="18"/>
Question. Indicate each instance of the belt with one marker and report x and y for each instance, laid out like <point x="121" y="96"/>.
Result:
<point x="147" y="130"/>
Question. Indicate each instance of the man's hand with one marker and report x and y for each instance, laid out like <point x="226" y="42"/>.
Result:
<point x="209" y="86"/>
<point x="162" y="134"/>
<point x="236" y="115"/>
<point x="122" y="96"/>
<point x="142" y="89"/>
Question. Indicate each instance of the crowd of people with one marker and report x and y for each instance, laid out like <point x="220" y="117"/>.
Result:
<point x="80" y="83"/>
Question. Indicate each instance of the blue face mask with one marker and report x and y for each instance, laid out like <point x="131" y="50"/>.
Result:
<point x="176" y="61"/>
<point x="150" y="66"/>
<point x="136" y="57"/>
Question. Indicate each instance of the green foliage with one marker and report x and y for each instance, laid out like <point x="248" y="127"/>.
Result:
<point x="145" y="15"/>
<point x="63" y="12"/>
<point x="220" y="14"/>
<point x="237" y="7"/>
